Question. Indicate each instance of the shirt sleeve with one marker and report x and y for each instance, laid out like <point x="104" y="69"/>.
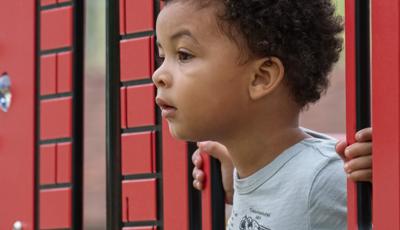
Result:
<point x="328" y="198"/>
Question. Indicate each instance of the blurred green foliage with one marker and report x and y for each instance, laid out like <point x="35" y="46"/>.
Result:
<point x="95" y="37"/>
<point x="339" y="6"/>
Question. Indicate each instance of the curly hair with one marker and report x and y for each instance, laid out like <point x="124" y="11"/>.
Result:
<point x="303" y="34"/>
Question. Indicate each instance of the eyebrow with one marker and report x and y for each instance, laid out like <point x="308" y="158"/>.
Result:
<point x="182" y="33"/>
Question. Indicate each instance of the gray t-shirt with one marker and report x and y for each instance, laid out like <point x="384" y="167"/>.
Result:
<point x="303" y="188"/>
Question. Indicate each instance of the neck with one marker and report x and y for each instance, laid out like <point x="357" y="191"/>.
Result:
<point x="258" y="146"/>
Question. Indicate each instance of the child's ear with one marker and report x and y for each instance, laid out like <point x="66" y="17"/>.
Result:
<point x="268" y="75"/>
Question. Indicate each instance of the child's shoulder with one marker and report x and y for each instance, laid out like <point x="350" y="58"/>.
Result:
<point x="322" y="145"/>
<point x="312" y="153"/>
<point x="315" y="157"/>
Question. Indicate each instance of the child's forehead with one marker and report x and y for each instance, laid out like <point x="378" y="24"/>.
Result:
<point x="182" y="14"/>
<point x="193" y="6"/>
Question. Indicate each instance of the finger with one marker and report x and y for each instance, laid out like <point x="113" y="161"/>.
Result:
<point x="196" y="159"/>
<point x="340" y="147"/>
<point x="197" y="185"/>
<point x="214" y="149"/>
<point x="361" y="175"/>
<point x="358" y="164"/>
<point x="358" y="150"/>
<point x="194" y="173"/>
<point x="364" y="135"/>
<point x="199" y="176"/>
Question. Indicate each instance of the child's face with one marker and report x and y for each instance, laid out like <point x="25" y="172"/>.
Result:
<point x="200" y="79"/>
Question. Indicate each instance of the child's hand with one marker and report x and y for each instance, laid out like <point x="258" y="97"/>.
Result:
<point x="358" y="156"/>
<point x="219" y="152"/>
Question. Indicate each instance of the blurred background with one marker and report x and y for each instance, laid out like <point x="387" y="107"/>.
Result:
<point x="95" y="146"/>
<point x="327" y="116"/>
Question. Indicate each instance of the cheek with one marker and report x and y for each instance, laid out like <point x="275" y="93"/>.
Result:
<point x="210" y="96"/>
<point x="208" y="104"/>
<point x="208" y="114"/>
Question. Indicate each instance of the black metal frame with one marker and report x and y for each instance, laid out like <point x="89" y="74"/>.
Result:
<point x="113" y="114"/>
<point x="77" y="113"/>
<point x="363" y="102"/>
<point x="217" y="196"/>
<point x="113" y="123"/>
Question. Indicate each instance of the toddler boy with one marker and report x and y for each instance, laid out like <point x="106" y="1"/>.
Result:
<point x="239" y="72"/>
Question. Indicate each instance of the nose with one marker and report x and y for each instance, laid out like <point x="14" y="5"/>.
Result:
<point x="161" y="78"/>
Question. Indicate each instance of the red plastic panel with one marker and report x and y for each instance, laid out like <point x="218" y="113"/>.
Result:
<point x="17" y="132"/>
<point x="47" y="2"/>
<point x="136" y="59"/>
<point x="48" y="74"/>
<point x="140" y="228"/>
<point x="55" y="118"/>
<point x="138" y="150"/>
<point x="352" y="222"/>
<point x="122" y="20"/>
<point x="175" y="178"/>
<point x="141" y="108"/>
<point x="139" y="15"/>
<point x="386" y="113"/>
<point x="123" y="107"/>
<point x="139" y="200"/>
<point x="56" y="28"/>
<point x="64" y="159"/>
<point x="48" y="164"/>
<point x="64" y="72"/>
<point x="55" y="208"/>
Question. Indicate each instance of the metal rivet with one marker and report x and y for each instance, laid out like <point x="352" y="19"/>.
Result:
<point x="5" y="92"/>
<point x="17" y="225"/>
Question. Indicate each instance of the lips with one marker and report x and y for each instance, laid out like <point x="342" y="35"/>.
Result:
<point x="167" y="110"/>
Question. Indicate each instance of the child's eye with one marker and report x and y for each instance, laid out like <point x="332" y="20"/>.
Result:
<point x="184" y="56"/>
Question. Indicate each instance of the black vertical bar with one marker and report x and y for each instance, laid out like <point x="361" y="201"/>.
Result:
<point x="363" y="101"/>
<point x="159" y="168"/>
<point x="37" y="118"/>
<point x="159" y="143"/>
<point x="113" y="122"/>
<point x="217" y="196"/>
<point x="77" y="129"/>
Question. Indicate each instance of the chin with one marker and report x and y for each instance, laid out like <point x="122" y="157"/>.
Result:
<point x="184" y="134"/>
